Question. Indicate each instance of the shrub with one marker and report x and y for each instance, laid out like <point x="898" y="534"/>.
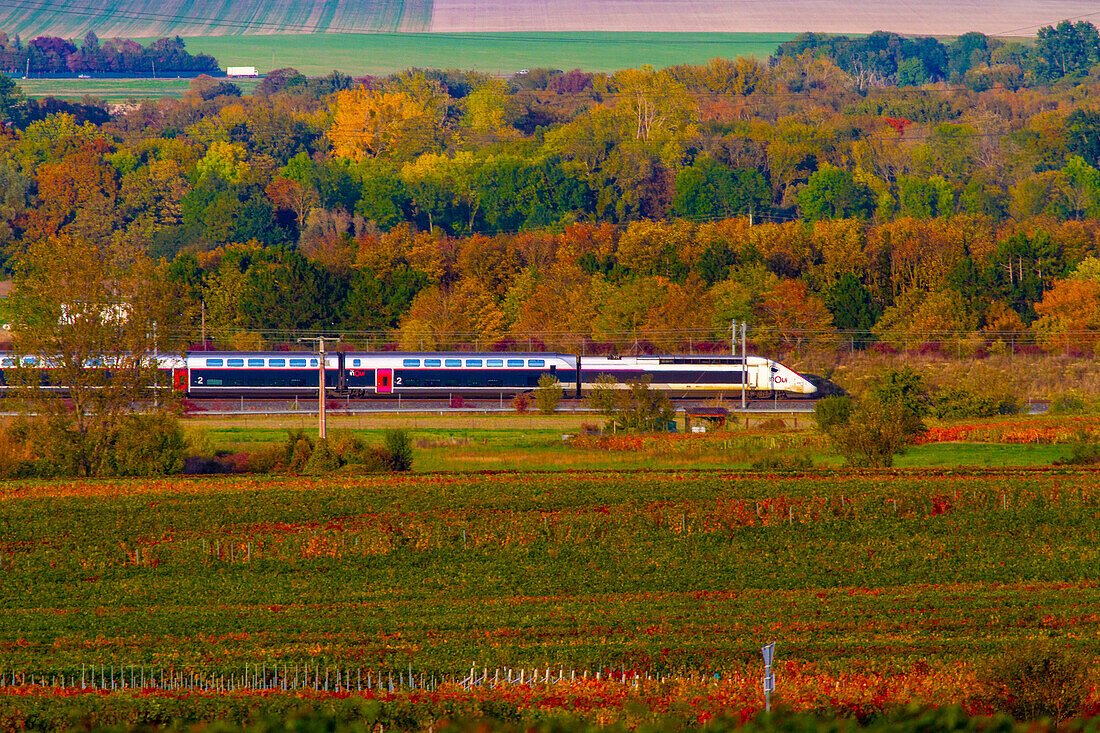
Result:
<point x="1081" y="454"/>
<point x="296" y="450"/>
<point x="956" y="403"/>
<point x="198" y="444"/>
<point x="322" y="459"/>
<point x="875" y="433"/>
<point x="148" y="445"/>
<point x="636" y="408"/>
<point x="521" y="404"/>
<point x="1039" y="681"/>
<point x="548" y="395"/>
<point x="832" y="411"/>
<point x="399" y="445"/>
<point x="16" y="454"/>
<point x="906" y="387"/>
<point x="265" y="461"/>
<point x="457" y="401"/>
<point x="1067" y="404"/>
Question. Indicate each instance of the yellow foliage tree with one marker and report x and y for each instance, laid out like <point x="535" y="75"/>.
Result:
<point x="368" y="123"/>
<point x="1069" y="314"/>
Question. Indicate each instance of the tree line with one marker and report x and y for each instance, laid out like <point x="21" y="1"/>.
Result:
<point x="974" y="59"/>
<point x="53" y="55"/>
<point x="644" y="208"/>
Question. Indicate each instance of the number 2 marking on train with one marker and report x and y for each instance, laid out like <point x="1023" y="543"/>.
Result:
<point x="397" y="381"/>
<point x="198" y="380"/>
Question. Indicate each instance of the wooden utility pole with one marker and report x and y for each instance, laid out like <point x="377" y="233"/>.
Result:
<point x="321" y="402"/>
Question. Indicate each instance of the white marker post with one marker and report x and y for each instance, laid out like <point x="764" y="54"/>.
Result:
<point x="769" y="679"/>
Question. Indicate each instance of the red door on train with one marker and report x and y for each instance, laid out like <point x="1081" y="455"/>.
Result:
<point x="179" y="379"/>
<point x="383" y="381"/>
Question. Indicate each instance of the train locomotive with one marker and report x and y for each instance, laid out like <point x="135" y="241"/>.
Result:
<point x="354" y="374"/>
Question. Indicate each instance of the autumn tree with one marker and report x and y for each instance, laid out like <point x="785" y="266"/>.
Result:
<point x="368" y="123"/>
<point x="1069" y="314"/>
<point x="90" y="317"/>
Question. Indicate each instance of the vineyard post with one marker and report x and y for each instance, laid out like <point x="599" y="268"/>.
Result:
<point x="769" y="679"/>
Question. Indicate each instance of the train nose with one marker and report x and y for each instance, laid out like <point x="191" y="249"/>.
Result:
<point x="809" y="387"/>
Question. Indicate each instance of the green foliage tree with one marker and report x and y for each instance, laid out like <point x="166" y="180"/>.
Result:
<point x="832" y="193"/>
<point x="852" y="306"/>
<point x="12" y="100"/>
<point x="1067" y="48"/>
<point x="708" y="190"/>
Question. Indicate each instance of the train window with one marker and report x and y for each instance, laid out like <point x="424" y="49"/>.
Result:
<point x="411" y="362"/>
<point x="235" y="362"/>
<point x="255" y="362"/>
<point x="297" y="362"/>
<point x="8" y="363"/>
<point x="453" y="362"/>
<point x="432" y="362"/>
<point x="515" y="362"/>
<point x="213" y="382"/>
<point x="355" y="362"/>
<point x="313" y="362"/>
<point x="276" y="362"/>
<point x="495" y="363"/>
<point x="214" y="362"/>
<point x="474" y="363"/>
<point x="536" y="363"/>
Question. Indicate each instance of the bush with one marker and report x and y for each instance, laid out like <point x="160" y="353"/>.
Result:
<point x="875" y="433"/>
<point x="636" y="408"/>
<point x="1067" y="404"/>
<point x="322" y="459"/>
<point x="904" y="386"/>
<point x="399" y="445"/>
<point x="1040" y="681"/>
<point x="1081" y="454"/>
<point x="147" y="445"/>
<point x="521" y="404"/>
<point x="548" y="395"/>
<point x="47" y="447"/>
<point x="956" y="403"/>
<point x="830" y="412"/>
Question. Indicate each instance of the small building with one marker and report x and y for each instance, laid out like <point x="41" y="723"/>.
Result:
<point x="240" y="71"/>
<point x="704" y="416"/>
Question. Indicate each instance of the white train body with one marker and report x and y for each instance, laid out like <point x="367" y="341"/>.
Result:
<point x="683" y="374"/>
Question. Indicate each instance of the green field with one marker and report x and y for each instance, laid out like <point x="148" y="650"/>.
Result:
<point x="115" y="90"/>
<point x="495" y="53"/>
<point x="467" y="442"/>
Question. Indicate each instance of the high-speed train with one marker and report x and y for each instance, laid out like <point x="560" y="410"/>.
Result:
<point x="363" y="374"/>
<point x="366" y="374"/>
